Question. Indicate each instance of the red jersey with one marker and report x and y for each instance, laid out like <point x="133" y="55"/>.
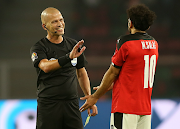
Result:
<point x="136" y="55"/>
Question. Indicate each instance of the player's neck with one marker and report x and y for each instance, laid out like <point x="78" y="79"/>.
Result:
<point x="55" y="39"/>
<point x="133" y="31"/>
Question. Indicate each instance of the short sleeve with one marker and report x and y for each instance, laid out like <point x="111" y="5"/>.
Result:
<point x="37" y="53"/>
<point x="81" y="61"/>
<point x="120" y="54"/>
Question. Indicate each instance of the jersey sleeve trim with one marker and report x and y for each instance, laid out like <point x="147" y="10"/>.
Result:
<point x="119" y="67"/>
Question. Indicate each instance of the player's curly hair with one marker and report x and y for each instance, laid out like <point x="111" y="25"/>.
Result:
<point x="141" y="16"/>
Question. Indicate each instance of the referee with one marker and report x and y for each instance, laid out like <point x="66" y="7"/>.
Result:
<point x="60" y="65"/>
<point x="131" y="74"/>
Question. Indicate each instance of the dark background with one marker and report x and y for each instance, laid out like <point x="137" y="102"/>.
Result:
<point x="99" y="23"/>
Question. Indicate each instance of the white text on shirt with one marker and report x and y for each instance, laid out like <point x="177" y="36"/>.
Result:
<point x="148" y="44"/>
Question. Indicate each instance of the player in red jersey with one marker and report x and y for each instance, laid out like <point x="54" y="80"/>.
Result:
<point x="131" y="73"/>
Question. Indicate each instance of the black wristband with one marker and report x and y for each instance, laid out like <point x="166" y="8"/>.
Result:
<point x="64" y="60"/>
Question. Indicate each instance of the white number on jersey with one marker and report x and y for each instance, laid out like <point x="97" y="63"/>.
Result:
<point x="149" y="70"/>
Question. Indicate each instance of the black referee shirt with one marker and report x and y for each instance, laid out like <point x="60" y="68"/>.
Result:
<point x="61" y="83"/>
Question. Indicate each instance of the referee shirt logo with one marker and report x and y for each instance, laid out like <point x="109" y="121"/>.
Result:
<point x="34" y="56"/>
<point x="74" y="62"/>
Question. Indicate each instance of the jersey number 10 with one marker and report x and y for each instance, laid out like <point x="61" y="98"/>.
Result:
<point x="149" y="70"/>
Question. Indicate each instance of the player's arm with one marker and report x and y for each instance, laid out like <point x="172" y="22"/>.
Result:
<point x="107" y="81"/>
<point x="109" y="77"/>
<point x="85" y="86"/>
<point x="48" y="66"/>
<point x="110" y="88"/>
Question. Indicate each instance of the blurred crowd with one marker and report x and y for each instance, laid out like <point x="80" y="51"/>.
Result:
<point x="101" y="22"/>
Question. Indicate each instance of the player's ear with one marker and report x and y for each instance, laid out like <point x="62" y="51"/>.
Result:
<point x="130" y="24"/>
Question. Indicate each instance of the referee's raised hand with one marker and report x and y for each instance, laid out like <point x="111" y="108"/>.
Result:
<point x="75" y="53"/>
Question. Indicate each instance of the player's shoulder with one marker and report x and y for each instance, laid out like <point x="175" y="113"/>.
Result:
<point x="122" y="39"/>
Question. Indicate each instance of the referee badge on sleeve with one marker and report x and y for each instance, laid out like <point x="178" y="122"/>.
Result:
<point x="74" y="62"/>
<point x="34" y="56"/>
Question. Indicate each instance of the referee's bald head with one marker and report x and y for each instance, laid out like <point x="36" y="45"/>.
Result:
<point x="47" y="13"/>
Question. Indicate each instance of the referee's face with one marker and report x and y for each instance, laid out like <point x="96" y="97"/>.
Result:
<point x="56" y="23"/>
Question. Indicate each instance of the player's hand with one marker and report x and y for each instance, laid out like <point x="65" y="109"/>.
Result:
<point x="74" y="53"/>
<point x="94" y="110"/>
<point x="110" y="88"/>
<point x="90" y="101"/>
<point x="96" y="88"/>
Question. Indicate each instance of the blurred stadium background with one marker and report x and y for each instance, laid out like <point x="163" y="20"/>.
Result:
<point x="99" y="23"/>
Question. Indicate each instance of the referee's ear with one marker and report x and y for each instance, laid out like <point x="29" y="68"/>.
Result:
<point x="44" y="26"/>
